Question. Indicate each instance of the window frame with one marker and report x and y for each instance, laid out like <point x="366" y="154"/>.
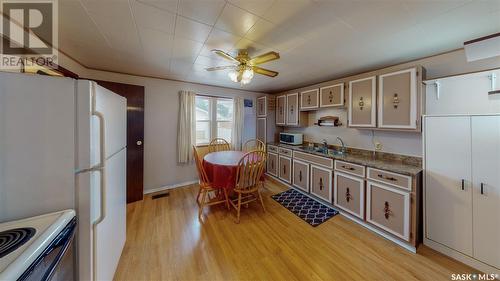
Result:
<point x="213" y="121"/>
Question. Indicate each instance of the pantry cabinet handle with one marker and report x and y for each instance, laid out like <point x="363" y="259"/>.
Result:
<point x="387" y="210"/>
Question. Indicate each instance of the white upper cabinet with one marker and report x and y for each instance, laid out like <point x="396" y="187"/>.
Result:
<point x="331" y="95"/>
<point x="309" y="100"/>
<point x="362" y="102"/>
<point x="397" y="100"/>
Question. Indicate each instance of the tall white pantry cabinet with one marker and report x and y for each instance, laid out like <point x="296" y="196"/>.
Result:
<point x="462" y="188"/>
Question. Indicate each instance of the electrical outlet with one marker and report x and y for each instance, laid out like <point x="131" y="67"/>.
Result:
<point x="378" y="146"/>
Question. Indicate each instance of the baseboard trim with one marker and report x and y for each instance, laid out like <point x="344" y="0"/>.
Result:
<point x="167" y="187"/>
<point x="484" y="268"/>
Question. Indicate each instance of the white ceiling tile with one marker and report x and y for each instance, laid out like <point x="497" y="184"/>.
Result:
<point x="284" y="11"/>
<point x="422" y="11"/>
<point x="280" y="38"/>
<point x="180" y="67"/>
<point x="235" y="20"/>
<point x="260" y="29"/>
<point x="190" y="29"/>
<point x="219" y="39"/>
<point x="257" y="7"/>
<point x="165" y="5"/>
<point x="253" y="48"/>
<point x="156" y="43"/>
<point x="213" y="60"/>
<point x="205" y="11"/>
<point x="185" y="49"/>
<point x="153" y="18"/>
<point x="112" y="18"/>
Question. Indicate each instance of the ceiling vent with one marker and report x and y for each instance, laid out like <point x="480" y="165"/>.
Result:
<point x="482" y="48"/>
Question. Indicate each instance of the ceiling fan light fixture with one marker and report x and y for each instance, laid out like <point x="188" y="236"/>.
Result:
<point x="247" y="74"/>
<point x="233" y="75"/>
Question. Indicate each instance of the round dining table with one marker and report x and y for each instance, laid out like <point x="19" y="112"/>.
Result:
<point x="221" y="168"/>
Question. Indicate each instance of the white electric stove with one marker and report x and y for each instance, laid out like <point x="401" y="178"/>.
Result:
<point x="38" y="248"/>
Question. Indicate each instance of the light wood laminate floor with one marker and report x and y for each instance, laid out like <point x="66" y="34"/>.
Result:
<point x="166" y="241"/>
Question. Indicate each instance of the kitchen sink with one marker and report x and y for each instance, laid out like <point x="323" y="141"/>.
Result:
<point x="322" y="150"/>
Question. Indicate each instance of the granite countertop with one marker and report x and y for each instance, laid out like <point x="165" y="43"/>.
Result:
<point x="401" y="164"/>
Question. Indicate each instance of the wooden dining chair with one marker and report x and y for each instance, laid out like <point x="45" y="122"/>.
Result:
<point x="218" y="144"/>
<point x="250" y="169"/>
<point x="206" y="188"/>
<point x="254" y="144"/>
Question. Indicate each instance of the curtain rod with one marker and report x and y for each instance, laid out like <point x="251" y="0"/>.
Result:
<point x="211" y="96"/>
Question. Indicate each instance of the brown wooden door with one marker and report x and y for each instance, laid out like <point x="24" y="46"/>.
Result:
<point x="135" y="135"/>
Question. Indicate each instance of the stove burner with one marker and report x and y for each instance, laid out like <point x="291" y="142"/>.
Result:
<point x="14" y="238"/>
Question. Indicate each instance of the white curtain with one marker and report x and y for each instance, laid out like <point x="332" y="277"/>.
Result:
<point x="238" y="120"/>
<point x="186" y="136"/>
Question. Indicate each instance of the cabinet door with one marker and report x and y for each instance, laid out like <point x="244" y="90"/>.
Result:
<point x="362" y="101"/>
<point x="321" y="183"/>
<point x="349" y="194"/>
<point x="309" y="99"/>
<point x="301" y="175"/>
<point x="285" y="169"/>
<point x="397" y="100"/>
<point x="332" y="96"/>
<point x="262" y="107"/>
<point x="448" y="195"/>
<point x="389" y="209"/>
<point x="261" y="129"/>
<point x="280" y="110"/>
<point x="292" y="112"/>
<point x="486" y="188"/>
<point x="272" y="164"/>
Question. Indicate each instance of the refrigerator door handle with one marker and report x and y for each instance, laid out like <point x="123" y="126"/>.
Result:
<point x="102" y="170"/>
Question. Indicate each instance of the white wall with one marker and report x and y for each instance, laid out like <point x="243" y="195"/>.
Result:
<point x="160" y="122"/>
<point x="451" y="63"/>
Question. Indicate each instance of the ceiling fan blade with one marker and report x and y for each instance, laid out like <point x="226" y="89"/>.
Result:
<point x="220" y="67"/>
<point x="264" y="71"/>
<point x="264" y="58"/>
<point x="225" y="56"/>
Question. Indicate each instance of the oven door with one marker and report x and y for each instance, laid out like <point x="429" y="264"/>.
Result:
<point x="57" y="261"/>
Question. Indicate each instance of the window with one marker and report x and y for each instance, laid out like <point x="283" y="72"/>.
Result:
<point x="214" y="119"/>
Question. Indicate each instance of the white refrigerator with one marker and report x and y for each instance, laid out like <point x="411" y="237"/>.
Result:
<point x="63" y="145"/>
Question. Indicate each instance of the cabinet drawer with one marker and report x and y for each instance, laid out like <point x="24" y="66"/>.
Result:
<point x="272" y="164"/>
<point x="321" y="182"/>
<point x="314" y="159"/>
<point x="397" y="180"/>
<point x="285" y="151"/>
<point x="353" y="169"/>
<point x="389" y="209"/>
<point x="272" y="148"/>
<point x="309" y="99"/>
<point x="331" y="95"/>
<point x="349" y="194"/>
<point x="301" y="175"/>
<point x="285" y="169"/>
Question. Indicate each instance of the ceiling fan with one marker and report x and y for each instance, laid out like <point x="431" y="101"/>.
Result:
<point x="244" y="66"/>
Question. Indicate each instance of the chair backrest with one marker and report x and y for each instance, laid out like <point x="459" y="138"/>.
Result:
<point x="218" y="144"/>
<point x="199" y="166"/>
<point x="254" y="144"/>
<point x="250" y="169"/>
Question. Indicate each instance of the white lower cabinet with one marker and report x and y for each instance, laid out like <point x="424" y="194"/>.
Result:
<point x="349" y="194"/>
<point x="389" y="209"/>
<point x="300" y="177"/>
<point x="285" y="171"/>
<point x="462" y="186"/>
<point x="321" y="182"/>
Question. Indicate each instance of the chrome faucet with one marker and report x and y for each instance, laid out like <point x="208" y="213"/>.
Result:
<point x="325" y="145"/>
<point x="342" y="143"/>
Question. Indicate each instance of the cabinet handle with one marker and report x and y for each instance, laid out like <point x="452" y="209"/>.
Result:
<point x="463" y="184"/>
<point x="300" y="176"/>
<point x="291" y="109"/>
<point x="349" y="168"/>
<point x="482" y="188"/>
<point x="348" y="195"/>
<point x="395" y="100"/>
<point x="284" y="170"/>
<point x="331" y="97"/>
<point x="387" y="178"/>
<point x="272" y="164"/>
<point x="308" y="99"/>
<point x="387" y="210"/>
<point x="361" y="103"/>
<point x="320" y="183"/>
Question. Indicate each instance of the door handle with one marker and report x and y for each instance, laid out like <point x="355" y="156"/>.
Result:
<point x="139" y="143"/>
<point x="482" y="188"/>
<point x="463" y="184"/>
